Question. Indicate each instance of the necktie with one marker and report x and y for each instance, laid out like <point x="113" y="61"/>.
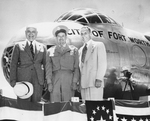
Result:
<point x="84" y="53"/>
<point x="31" y="49"/>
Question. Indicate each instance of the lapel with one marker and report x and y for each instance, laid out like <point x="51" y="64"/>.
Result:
<point x="80" y="53"/>
<point x="38" y="48"/>
<point x="89" y="51"/>
<point x="80" y="58"/>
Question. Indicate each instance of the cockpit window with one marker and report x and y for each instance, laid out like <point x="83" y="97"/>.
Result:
<point x="75" y="17"/>
<point x="87" y="13"/>
<point x="112" y="21"/>
<point x="82" y="20"/>
<point x="66" y="16"/>
<point x="86" y="16"/>
<point x="60" y="18"/>
<point x="147" y="37"/>
<point x="93" y="19"/>
<point x="104" y="19"/>
<point x="83" y="11"/>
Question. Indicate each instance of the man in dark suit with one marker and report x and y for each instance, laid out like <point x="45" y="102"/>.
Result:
<point x="30" y="63"/>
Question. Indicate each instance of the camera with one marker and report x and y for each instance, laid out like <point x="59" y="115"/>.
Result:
<point x="127" y="73"/>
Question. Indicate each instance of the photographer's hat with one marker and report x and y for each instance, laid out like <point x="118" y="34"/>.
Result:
<point x="23" y="89"/>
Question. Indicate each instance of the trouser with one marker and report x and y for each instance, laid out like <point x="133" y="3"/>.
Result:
<point x="62" y="81"/>
<point x="92" y="93"/>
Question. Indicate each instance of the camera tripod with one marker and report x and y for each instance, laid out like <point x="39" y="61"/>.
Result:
<point x="128" y="93"/>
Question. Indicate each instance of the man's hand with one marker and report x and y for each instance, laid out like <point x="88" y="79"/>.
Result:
<point x="98" y="83"/>
<point x="79" y="88"/>
<point x="74" y="86"/>
<point x="45" y="85"/>
<point x="50" y="87"/>
<point x="13" y="83"/>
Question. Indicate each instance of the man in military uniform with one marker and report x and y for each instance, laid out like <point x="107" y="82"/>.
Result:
<point x="65" y="66"/>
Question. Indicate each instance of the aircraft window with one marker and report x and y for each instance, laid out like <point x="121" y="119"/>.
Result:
<point x="93" y="19"/>
<point x="147" y="37"/>
<point x="105" y="19"/>
<point x="86" y="16"/>
<point x="112" y="21"/>
<point x="75" y="17"/>
<point x="139" y="56"/>
<point x="66" y="16"/>
<point x="60" y="17"/>
<point x="82" y="20"/>
<point x="83" y="12"/>
<point x="88" y="13"/>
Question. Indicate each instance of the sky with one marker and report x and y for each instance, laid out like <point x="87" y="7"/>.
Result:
<point x="16" y="14"/>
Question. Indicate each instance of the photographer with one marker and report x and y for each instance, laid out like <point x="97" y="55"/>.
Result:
<point x="127" y="85"/>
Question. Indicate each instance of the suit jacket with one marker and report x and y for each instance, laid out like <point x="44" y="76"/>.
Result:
<point x="95" y="64"/>
<point x="23" y="63"/>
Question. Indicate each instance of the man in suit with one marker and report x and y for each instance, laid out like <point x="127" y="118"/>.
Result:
<point x="30" y="63"/>
<point x="93" y="64"/>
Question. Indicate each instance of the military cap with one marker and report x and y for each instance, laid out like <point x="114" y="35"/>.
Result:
<point x="60" y="28"/>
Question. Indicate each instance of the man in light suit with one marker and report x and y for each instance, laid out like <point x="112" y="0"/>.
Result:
<point x="93" y="66"/>
<point x="30" y="63"/>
